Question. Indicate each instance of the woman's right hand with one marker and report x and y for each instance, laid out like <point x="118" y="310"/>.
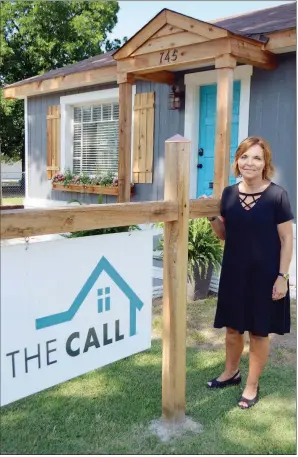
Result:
<point x="210" y="197"/>
<point x="206" y="197"/>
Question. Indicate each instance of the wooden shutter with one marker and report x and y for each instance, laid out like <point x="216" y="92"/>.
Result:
<point x="143" y="133"/>
<point x="53" y="140"/>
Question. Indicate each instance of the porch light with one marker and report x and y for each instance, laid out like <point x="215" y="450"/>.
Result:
<point x="175" y="98"/>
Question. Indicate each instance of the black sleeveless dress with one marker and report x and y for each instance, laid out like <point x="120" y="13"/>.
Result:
<point x="250" y="264"/>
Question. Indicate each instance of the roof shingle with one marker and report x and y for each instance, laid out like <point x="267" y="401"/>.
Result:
<point x="102" y="60"/>
<point x="268" y="20"/>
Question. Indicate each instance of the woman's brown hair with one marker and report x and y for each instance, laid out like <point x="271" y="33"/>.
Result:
<point x="245" y="145"/>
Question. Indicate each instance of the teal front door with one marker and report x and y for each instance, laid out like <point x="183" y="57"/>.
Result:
<point x="207" y="127"/>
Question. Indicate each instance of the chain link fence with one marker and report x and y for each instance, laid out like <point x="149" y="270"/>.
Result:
<point x="12" y="188"/>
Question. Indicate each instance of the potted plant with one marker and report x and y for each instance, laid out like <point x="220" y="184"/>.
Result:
<point x="205" y="251"/>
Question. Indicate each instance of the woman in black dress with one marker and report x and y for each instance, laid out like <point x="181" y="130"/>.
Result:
<point x="253" y="291"/>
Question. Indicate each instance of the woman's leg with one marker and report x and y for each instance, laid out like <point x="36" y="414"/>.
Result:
<point x="258" y="356"/>
<point x="234" y="349"/>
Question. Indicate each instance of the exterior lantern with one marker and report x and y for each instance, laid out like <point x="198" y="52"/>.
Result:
<point x="174" y="99"/>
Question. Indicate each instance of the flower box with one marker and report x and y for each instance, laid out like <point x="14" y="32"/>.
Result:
<point x="88" y="189"/>
<point x="106" y="184"/>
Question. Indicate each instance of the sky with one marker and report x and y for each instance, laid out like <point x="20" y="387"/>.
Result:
<point x="133" y="15"/>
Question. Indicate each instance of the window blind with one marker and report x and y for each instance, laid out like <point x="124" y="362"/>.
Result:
<point x="95" y="141"/>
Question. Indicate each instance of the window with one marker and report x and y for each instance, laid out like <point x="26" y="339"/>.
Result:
<point x="95" y="138"/>
<point x="89" y="131"/>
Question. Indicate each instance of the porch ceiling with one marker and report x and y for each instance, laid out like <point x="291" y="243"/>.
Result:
<point x="172" y="42"/>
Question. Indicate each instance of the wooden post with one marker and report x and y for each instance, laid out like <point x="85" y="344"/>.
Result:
<point x="177" y="160"/>
<point x="225" y="65"/>
<point x="124" y="161"/>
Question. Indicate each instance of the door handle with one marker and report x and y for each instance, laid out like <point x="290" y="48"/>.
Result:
<point x="211" y="185"/>
<point x="201" y="152"/>
<point x="200" y="165"/>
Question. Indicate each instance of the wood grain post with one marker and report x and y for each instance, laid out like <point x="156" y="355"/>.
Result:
<point x="124" y="161"/>
<point x="225" y="65"/>
<point x="177" y="164"/>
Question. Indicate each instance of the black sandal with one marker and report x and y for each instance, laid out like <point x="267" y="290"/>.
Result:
<point x="234" y="381"/>
<point x="251" y="402"/>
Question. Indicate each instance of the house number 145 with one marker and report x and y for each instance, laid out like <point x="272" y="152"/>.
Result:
<point x="168" y="56"/>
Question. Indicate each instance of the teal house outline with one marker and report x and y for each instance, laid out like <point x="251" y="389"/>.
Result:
<point x="103" y="265"/>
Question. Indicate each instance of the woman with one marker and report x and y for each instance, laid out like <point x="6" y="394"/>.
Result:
<point x="253" y="291"/>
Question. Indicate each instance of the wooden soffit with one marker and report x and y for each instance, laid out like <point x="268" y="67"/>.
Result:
<point x="107" y="74"/>
<point x="172" y="41"/>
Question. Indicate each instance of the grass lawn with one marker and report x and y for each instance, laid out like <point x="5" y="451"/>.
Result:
<point x="13" y="201"/>
<point x="108" y="411"/>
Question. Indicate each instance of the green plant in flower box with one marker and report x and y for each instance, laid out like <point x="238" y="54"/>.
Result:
<point x="106" y="179"/>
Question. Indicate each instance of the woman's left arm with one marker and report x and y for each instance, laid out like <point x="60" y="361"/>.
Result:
<point x="285" y="232"/>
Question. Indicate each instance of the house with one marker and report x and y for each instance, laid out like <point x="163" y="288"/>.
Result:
<point x="228" y="79"/>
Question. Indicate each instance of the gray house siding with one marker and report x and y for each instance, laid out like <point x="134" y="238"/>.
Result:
<point x="272" y="115"/>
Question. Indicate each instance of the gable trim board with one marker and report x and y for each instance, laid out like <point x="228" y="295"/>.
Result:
<point x="62" y="82"/>
<point x="192" y="83"/>
<point x="67" y="103"/>
<point x="168" y="17"/>
<point x="171" y="41"/>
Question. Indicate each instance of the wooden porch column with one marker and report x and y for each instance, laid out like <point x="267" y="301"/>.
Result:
<point x="124" y="161"/>
<point x="225" y="65"/>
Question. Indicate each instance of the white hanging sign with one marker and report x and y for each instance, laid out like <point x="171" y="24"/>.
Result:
<point x="70" y="306"/>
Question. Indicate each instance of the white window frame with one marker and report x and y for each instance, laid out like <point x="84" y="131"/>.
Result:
<point x="192" y="83"/>
<point x="67" y="103"/>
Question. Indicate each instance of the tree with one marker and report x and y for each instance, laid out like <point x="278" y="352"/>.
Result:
<point x="39" y="36"/>
<point x="11" y="129"/>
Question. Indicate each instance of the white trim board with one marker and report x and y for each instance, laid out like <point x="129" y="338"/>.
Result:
<point x="192" y="83"/>
<point x="67" y="103"/>
<point x="26" y="120"/>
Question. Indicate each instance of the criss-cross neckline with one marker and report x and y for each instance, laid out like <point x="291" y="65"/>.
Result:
<point x="253" y="203"/>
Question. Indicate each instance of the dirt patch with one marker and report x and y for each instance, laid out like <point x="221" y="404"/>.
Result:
<point x="202" y="335"/>
<point x="167" y="431"/>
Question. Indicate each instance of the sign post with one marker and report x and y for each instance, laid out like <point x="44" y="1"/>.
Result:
<point x="177" y="163"/>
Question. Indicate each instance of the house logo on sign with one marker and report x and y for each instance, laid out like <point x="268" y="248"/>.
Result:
<point x="103" y="300"/>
